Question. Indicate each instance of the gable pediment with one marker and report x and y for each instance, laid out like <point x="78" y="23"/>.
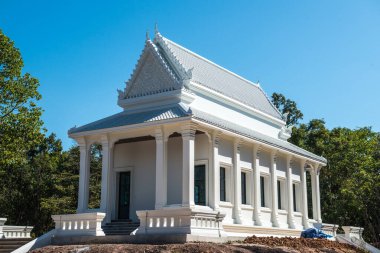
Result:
<point x="152" y="75"/>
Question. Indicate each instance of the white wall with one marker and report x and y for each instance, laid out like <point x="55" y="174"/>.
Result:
<point x="141" y="157"/>
<point x="226" y="151"/>
<point x="201" y="147"/>
<point x="239" y="117"/>
<point x="174" y="172"/>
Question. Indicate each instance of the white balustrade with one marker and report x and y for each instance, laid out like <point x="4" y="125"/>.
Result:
<point x="17" y="231"/>
<point x="79" y="224"/>
<point x="353" y="232"/>
<point x="180" y="221"/>
<point x="7" y="231"/>
<point x="329" y="229"/>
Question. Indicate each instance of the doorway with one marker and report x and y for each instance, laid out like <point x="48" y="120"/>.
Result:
<point x="124" y="195"/>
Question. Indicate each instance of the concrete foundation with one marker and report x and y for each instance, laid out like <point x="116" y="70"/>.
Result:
<point x="137" y="239"/>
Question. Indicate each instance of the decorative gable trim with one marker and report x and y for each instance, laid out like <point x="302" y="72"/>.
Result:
<point x="270" y="101"/>
<point x="150" y="48"/>
<point x="178" y="67"/>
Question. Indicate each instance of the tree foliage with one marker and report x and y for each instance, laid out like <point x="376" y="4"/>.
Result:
<point x="288" y="108"/>
<point x="350" y="183"/>
<point x="20" y="123"/>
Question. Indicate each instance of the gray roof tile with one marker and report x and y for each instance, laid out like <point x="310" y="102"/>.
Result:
<point x="214" y="77"/>
<point x="124" y="118"/>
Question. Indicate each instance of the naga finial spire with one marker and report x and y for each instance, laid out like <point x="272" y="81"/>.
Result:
<point x="156" y="28"/>
<point x="147" y="35"/>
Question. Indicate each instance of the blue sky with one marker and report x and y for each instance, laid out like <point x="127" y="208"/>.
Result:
<point x="325" y="55"/>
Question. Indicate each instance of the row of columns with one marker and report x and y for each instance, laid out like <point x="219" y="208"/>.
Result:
<point x="188" y="137"/>
<point x="84" y="174"/>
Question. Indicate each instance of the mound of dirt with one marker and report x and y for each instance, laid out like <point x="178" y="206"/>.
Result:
<point x="303" y="244"/>
<point x="251" y="244"/>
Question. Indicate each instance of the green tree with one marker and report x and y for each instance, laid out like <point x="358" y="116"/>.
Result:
<point x="20" y="122"/>
<point x="350" y="183"/>
<point x="25" y="186"/>
<point x="288" y="108"/>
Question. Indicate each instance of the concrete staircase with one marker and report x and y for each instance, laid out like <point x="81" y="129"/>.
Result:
<point x="10" y="244"/>
<point x="120" y="227"/>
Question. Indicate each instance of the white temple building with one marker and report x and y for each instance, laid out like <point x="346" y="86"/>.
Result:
<point x="196" y="150"/>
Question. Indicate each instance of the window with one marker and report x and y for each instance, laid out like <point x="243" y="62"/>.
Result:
<point x="200" y="185"/>
<point x="279" y="194"/>
<point x="244" y="188"/>
<point x="222" y="184"/>
<point x="294" y="198"/>
<point x="262" y="191"/>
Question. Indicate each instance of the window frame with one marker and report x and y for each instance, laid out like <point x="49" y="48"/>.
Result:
<point x="228" y="182"/>
<point x="205" y="163"/>
<point x="281" y="194"/>
<point x="297" y="195"/>
<point x="264" y="198"/>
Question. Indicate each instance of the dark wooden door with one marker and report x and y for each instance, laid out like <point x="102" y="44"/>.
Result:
<point x="124" y="195"/>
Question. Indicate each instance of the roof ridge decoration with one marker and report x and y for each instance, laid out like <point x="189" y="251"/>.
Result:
<point x="270" y="101"/>
<point x="149" y="47"/>
<point x="186" y="75"/>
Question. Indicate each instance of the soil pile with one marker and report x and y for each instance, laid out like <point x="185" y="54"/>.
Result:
<point x="250" y="244"/>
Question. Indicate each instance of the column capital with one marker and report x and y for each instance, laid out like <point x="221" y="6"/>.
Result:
<point x="291" y="160"/>
<point x="161" y="135"/>
<point x="274" y="155"/>
<point x="302" y="163"/>
<point x="81" y="142"/>
<point x="257" y="149"/>
<point x="188" y="131"/>
<point x="317" y="168"/>
<point x="238" y="143"/>
<point x="216" y="137"/>
<point x="104" y="140"/>
<point x="158" y="134"/>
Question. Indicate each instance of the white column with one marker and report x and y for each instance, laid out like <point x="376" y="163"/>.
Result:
<point x="105" y="173"/>
<point x="188" y="136"/>
<point x="84" y="176"/>
<point x="237" y="182"/>
<point x="111" y="185"/>
<point x="304" y="208"/>
<point x="289" y="185"/>
<point x="318" y="194"/>
<point x="161" y="169"/>
<point x="216" y="171"/>
<point x="273" y="171"/>
<point x="256" y="185"/>
<point x="314" y="193"/>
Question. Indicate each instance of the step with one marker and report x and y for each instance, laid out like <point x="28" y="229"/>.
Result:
<point x="10" y="246"/>
<point x="118" y="233"/>
<point x="126" y="220"/>
<point x="117" y="230"/>
<point x="5" y="242"/>
<point x="122" y="224"/>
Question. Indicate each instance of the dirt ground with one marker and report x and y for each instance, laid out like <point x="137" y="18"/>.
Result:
<point x="251" y="244"/>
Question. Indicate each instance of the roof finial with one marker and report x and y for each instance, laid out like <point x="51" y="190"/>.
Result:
<point x="147" y="35"/>
<point x="156" y="28"/>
